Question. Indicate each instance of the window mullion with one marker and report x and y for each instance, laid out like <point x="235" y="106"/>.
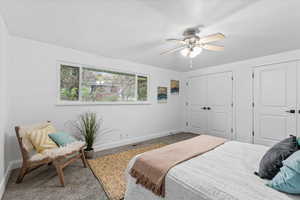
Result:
<point x="80" y="81"/>
<point x="136" y="87"/>
<point x="148" y="88"/>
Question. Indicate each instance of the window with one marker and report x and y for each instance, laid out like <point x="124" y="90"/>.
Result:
<point x="99" y="85"/>
<point x="142" y="85"/>
<point x="69" y="83"/>
<point x="83" y="84"/>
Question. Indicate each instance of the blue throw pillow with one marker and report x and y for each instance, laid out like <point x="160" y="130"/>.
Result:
<point x="293" y="162"/>
<point x="287" y="180"/>
<point x="62" y="139"/>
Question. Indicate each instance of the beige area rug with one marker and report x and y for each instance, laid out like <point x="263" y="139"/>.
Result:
<point x="110" y="170"/>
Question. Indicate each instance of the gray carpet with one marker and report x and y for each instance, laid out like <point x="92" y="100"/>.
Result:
<point x="81" y="184"/>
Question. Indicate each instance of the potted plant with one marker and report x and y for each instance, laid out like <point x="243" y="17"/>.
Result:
<point x="88" y="126"/>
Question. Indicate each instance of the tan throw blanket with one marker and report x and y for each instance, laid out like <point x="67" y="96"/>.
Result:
<point x="151" y="168"/>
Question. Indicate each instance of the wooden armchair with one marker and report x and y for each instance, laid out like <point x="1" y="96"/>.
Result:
<point x="59" y="157"/>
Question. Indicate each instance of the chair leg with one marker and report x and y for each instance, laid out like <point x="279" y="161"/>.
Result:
<point x="22" y="173"/>
<point x="60" y="174"/>
<point x="83" y="159"/>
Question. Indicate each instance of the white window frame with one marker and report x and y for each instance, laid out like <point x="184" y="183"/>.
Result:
<point x="80" y="102"/>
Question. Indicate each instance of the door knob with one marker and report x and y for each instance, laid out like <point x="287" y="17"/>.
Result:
<point x="204" y="108"/>
<point x="208" y="108"/>
<point x="290" y="111"/>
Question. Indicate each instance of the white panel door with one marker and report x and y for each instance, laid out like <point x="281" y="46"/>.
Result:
<point x="197" y="99"/>
<point x="219" y="102"/>
<point x="274" y="102"/>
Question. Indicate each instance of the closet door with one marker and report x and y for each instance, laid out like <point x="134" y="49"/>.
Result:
<point x="274" y="102"/>
<point x="219" y="102"/>
<point x="197" y="100"/>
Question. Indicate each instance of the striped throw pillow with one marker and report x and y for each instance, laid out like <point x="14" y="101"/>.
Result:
<point x="40" y="139"/>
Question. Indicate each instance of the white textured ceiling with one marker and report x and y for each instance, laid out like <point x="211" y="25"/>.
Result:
<point x="135" y="29"/>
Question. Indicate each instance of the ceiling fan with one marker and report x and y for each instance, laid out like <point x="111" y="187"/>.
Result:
<point x="192" y="44"/>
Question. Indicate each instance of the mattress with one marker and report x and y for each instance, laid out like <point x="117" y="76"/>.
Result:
<point x="225" y="173"/>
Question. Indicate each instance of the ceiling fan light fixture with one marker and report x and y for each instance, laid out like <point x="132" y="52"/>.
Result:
<point x="191" y="52"/>
<point x="195" y="52"/>
<point x="185" y="52"/>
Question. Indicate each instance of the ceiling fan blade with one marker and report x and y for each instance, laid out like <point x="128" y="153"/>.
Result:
<point x="212" y="38"/>
<point x="175" y="40"/>
<point x="173" y="50"/>
<point x="213" y="47"/>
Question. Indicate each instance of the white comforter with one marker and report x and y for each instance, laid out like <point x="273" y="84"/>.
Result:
<point x="225" y="173"/>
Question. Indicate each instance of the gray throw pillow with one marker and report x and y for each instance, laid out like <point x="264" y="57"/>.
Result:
<point x="271" y="162"/>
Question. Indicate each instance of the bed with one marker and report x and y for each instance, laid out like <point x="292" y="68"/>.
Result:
<point x="225" y="173"/>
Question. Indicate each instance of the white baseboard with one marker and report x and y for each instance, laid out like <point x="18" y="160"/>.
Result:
<point x="15" y="164"/>
<point x="110" y="145"/>
<point x="4" y="181"/>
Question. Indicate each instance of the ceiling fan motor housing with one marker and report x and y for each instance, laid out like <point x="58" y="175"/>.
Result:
<point x="191" y="32"/>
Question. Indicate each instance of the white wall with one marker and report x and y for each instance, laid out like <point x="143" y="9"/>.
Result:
<point x="242" y="72"/>
<point x="32" y="80"/>
<point x="3" y="102"/>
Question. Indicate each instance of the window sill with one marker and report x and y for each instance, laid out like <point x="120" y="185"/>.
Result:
<point x="101" y="103"/>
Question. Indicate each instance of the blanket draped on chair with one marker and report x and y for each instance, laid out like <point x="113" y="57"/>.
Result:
<point x="151" y="167"/>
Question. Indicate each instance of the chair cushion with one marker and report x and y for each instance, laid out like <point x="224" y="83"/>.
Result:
<point x="63" y="151"/>
<point x="271" y="162"/>
<point x="40" y="139"/>
<point x="70" y="150"/>
<point x="62" y="138"/>
<point x="38" y="157"/>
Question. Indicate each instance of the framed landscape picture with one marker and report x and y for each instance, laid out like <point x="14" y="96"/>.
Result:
<point x="162" y="94"/>
<point x="175" y="87"/>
